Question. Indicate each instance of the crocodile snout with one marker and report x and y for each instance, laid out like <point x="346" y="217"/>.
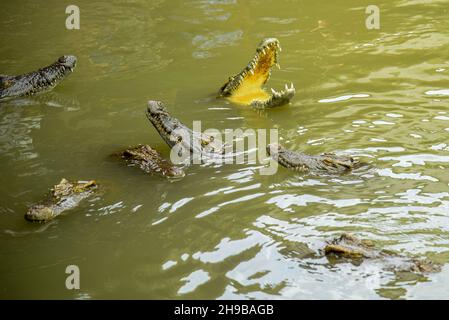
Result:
<point x="155" y="107"/>
<point x="273" y="148"/>
<point x="68" y="61"/>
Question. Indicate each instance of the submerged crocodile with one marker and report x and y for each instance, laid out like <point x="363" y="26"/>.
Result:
<point x="326" y="162"/>
<point x="150" y="161"/>
<point x="37" y="81"/>
<point x="350" y="247"/>
<point x="246" y="86"/>
<point x="64" y="196"/>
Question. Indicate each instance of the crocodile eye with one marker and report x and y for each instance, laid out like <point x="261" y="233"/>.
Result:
<point x="179" y="139"/>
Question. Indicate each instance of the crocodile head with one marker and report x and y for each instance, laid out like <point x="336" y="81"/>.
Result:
<point x="50" y="76"/>
<point x="326" y="162"/>
<point x="150" y="161"/>
<point x="349" y="246"/>
<point x="162" y="121"/>
<point x="64" y="196"/>
<point x="246" y="87"/>
<point x="66" y="65"/>
<point x="175" y="133"/>
<point x="37" y="81"/>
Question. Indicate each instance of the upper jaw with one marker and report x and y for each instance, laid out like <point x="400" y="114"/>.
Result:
<point x="267" y="46"/>
<point x="161" y="120"/>
<point x="265" y="58"/>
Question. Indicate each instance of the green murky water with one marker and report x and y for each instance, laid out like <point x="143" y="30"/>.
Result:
<point x="227" y="231"/>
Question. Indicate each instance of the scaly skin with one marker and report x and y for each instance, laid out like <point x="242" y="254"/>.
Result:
<point x="327" y="162"/>
<point x="37" y="81"/>
<point x="150" y="161"/>
<point x="176" y="134"/>
<point x="349" y="246"/>
<point x="246" y="86"/>
<point x="62" y="197"/>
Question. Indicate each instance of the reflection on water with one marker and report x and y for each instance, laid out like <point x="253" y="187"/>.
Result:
<point x="443" y="92"/>
<point x="15" y="133"/>
<point x="205" y="43"/>
<point x="227" y="232"/>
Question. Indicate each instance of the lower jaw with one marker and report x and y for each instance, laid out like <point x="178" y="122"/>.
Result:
<point x="276" y="99"/>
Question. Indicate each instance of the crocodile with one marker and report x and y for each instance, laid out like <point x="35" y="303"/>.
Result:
<point x="348" y="246"/>
<point x="38" y="81"/>
<point x="150" y="161"/>
<point x="184" y="143"/>
<point x="246" y="87"/>
<point x="182" y="140"/>
<point x="326" y="162"/>
<point x="64" y="196"/>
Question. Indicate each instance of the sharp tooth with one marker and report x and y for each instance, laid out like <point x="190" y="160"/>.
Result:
<point x="252" y="71"/>
<point x="280" y="49"/>
<point x="292" y="87"/>
<point x="277" y="65"/>
<point x="273" y="91"/>
<point x="286" y="87"/>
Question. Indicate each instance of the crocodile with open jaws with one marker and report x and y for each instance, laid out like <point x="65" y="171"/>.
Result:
<point x="246" y="86"/>
<point x="64" y="196"/>
<point x="326" y="162"/>
<point x="181" y="138"/>
<point x="37" y="81"/>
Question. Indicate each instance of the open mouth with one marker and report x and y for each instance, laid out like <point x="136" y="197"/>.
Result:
<point x="247" y="86"/>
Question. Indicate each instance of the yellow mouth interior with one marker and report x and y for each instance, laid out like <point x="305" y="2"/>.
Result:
<point x="251" y="87"/>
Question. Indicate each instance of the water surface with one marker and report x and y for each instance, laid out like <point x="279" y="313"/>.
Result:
<point x="226" y="232"/>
